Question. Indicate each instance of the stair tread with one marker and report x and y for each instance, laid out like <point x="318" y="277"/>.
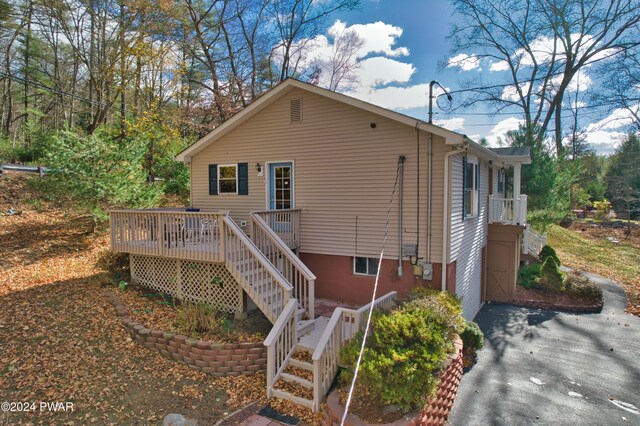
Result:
<point x="300" y="364"/>
<point x="292" y="378"/>
<point x="279" y="393"/>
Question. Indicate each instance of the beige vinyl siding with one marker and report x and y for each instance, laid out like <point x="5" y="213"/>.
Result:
<point x="468" y="237"/>
<point x="344" y="172"/>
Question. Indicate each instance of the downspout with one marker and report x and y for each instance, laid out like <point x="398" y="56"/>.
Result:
<point x="445" y="217"/>
<point x="401" y="160"/>
<point x="430" y="165"/>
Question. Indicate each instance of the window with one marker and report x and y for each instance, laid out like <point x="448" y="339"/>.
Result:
<point x="227" y="179"/>
<point x="500" y="181"/>
<point x="365" y="265"/>
<point x="471" y="198"/>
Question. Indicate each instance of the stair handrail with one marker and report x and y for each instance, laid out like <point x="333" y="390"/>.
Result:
<point x="281" y="343"/>
<point x="298" y="275"/>
<point x="343" y="325"/>
<point x="237" y="271"/>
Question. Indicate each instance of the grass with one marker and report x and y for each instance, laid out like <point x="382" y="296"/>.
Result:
<point x="618" y="262"/>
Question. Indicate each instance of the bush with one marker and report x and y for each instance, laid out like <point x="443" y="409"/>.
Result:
<point x="527" y="275"/>
<point x="551" y="277"/>
<point x="192" y="318"/>
<point x="472" y="336"/>
<point x="406" y="349"/>
<point x="582" y="287"/>
<point x="443" y="303"/>
<point x="548" y="251"/>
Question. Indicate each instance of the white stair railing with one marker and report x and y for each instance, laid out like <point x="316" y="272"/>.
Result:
<point x="285" y="223"/>
<point x="255" y="273"/>
<point x="281" y="343"/>
<point x="532" y="241"/>
<point x="343" y="325"/>
<point x="290" y="266"/>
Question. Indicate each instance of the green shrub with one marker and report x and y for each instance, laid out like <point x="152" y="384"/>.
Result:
<point x="442" y="303"/>
<point x="527" y="275"/>
<point x="582" y="287"/>
<point x="472" y="336"/>
<point x="548" y="251"/>
<point x="551" y="278"/>
<point x="406" y="349"/>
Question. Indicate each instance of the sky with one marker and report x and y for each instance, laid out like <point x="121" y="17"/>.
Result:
<point x="404" y="42"/>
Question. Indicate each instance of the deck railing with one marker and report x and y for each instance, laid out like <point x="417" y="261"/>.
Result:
<point x="172" y="233"/>
<point x="342" y="327"/>
<point x="508" y="211"/>
<point x="281" y="343"/>
<point x="290" y="266"/>
<point x="532" y="241"/>
<point x="258" y="277"/>
<point x="285" y="223"/>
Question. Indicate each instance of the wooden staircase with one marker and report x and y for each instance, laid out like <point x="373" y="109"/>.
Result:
<point x="302" y="351"/>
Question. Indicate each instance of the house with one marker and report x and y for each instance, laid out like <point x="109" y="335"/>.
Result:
<point x="290" y="199"/>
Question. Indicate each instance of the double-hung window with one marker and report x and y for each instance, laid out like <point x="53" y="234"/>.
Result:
<point x="228" y="179"/>
<point x="471" y="196"/>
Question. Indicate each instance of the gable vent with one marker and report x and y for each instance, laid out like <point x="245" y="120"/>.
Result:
<point x="296" y="110"/>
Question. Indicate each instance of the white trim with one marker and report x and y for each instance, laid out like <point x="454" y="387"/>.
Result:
<point x="267" y="182"/>
<point x="367" y="274"/>
<point x="220" y="166"/>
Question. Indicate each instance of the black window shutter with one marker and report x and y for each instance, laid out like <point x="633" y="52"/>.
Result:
<point x="243" y="179"/>
<point x="213" y="179"/>
<point x="464" y="188"/>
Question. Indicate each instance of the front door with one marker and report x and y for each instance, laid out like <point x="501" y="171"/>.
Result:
<point x="280" y="186"/>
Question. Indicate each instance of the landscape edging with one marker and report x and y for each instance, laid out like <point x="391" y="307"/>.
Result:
<point x="585" y="309"/>
<point x="435" y="414"/>
<point x="216" y="359"/>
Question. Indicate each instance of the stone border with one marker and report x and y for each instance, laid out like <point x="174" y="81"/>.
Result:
<point x="217" y="359"/>
<point x="436" y="414"/>
<point x="594" y="308"/>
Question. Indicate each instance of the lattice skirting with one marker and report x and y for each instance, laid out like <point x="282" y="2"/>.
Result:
<point x="188" y="280"/>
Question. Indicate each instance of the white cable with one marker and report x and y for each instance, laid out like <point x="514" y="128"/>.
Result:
<point x="373" y="296"/>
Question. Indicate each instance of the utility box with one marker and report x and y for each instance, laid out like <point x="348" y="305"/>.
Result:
<point x="410" y="249"/>
<point x="427" y="271"/>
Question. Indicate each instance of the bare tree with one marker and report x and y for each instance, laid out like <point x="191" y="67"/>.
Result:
<point x="343" y="64"/>
<point x="540" y="45"/>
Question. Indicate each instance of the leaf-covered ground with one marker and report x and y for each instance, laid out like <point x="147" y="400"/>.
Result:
<point x="60" y="340"/>
<point x="589" y="248"/>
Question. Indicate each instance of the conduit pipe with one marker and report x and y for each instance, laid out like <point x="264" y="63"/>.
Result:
<point x="445" y="215"/>
<point x="401" y="160"/>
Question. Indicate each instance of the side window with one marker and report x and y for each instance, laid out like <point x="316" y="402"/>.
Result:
<point x="471" y="196"/>
<point x="365" y="265"/>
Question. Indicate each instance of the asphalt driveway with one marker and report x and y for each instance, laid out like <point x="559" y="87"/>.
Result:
<point x="546" y="367"/>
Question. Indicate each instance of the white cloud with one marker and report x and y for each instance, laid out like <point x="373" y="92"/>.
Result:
<point x="499" y="66"/>
<point x="498" y="131"/>
<point x="618" y="119"/>
<point x="603" y="140"/>
<point x="378" y="38"/>
<point x="464" y="62"/>
<point x="510" y="93"/>
<point x="397" y="98"/>
<point x="454" y="124"/>
<point x="378" y="70"/>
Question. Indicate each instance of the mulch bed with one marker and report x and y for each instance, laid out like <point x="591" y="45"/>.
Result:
<point x="558" y="301"/>
<point x="156" y="311"/>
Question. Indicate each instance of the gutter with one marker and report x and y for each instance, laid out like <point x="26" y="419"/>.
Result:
<point x="445" y="214"/>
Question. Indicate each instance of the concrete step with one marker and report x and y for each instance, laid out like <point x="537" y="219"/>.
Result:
<point x="292" y="378"/>
<point x="278" y="393"/>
